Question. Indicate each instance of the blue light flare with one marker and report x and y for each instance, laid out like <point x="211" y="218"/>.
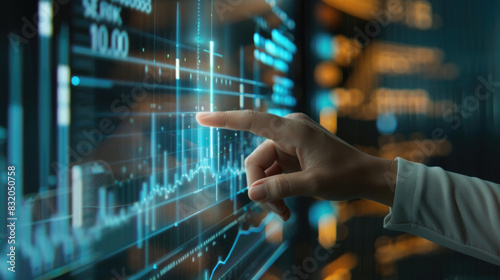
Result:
<point x="318" y="210"/>
<point x="324" y="46"/>
<point x="387" y="123"/>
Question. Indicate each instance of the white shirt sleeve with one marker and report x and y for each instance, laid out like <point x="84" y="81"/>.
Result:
<point x="453" y="210"/>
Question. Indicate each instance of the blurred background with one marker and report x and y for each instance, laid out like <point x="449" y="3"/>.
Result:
<point x="401" y="78"/>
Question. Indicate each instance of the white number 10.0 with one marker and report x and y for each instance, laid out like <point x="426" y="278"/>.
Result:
<point x="99" y="41"/>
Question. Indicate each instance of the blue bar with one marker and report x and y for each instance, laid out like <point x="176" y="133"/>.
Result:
<point x="102" y="204"/>
<point x="15" y="138"/>
<point x="44" y="110"/>
<point x="152" y="181"/>
<point x="152" y="178"/>
<point x="63" y="121"/>
<point x="94" y="82"/>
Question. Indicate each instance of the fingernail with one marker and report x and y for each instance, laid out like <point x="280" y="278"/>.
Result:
<point x="203" y="114"/>
<point x="257" y="192"/>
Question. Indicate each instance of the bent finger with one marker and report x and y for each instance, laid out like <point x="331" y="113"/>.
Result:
<point x="279" y="208"/>
<point x="256" y="164"/>
<point x="281" y="186"/>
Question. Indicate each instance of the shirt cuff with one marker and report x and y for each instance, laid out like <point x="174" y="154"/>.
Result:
<point x="407" y="184"/>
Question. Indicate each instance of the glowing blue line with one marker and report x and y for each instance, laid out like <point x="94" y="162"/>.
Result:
<point x="87" y="52"/>
<point x="240" y="233"/>
<point x="174" y="252"/>
<point x="63" y="123"/>
<point x="177" y="98"/>
<point x="144" y="197"/>
<point x="44" y="92"/>
<point x="95" y="82"/>
<point x="132" y="244"/>
<point x="105" y="83"/>
<point x="45" y="244"/>
<point x="281" y="249"/>
<point x="211" y="96"/>
<point x="16" y="118"/>
<point x="152" y="181"/>
<point x="150" y="235"/>
<point x="171" y="153"/>
<point x="250" y="250"/>
<point x="144" y="114"/>
<point x="134" y="210"/>
<point x="242" y="86"/>
<point x="216" y="54"/>
<point x="77" y="196"/>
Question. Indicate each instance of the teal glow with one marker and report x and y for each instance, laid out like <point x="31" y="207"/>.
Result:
<point x="323" y="46"/>
<point x="387" y="123"/>
<point x="318" y="210"/>
<point x="282" y="40"/>
<point x="323" y="100"/>
<point x="256" y="39"/>
<point x="75" y="80"/>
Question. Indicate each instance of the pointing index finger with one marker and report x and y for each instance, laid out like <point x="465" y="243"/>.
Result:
<point x="262" y="124"/>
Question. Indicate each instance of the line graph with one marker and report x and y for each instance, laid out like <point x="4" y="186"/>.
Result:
<point x="243" y="233"/>
<point x="125" y="175"/>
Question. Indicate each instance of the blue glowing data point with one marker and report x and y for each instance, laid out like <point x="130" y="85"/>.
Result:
<point x="75" y="80"/>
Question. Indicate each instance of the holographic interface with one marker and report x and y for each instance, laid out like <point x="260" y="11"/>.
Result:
<point x="114" y="178"/>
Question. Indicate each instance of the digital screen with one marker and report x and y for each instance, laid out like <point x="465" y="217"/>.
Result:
<point x="108" y="174"/>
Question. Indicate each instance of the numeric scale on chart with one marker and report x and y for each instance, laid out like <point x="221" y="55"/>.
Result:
<point x="133" y="167"/>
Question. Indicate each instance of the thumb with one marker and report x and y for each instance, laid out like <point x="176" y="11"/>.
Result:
<point x="280" y="186"/>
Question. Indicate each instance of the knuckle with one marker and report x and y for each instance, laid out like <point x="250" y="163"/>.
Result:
<point x="297" y="116"/>
<point x="315" y="179"/>
<point x="249" y="160"/>
<point x="312" y="180"/>
<point x="250" y="113"/>
<point x="252" y="116"/>
<point x="306" y="130"/>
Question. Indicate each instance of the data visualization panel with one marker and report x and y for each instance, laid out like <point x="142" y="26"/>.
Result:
<point x="109" y="174"/>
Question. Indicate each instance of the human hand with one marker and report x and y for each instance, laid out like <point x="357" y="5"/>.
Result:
<point x="301" y="158"/>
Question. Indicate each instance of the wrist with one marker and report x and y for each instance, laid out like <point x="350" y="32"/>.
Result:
<point x="379" y="180"/>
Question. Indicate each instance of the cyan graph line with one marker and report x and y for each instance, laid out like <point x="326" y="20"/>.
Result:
<point x="87" y="52"/>
<point x="241" y="233"/>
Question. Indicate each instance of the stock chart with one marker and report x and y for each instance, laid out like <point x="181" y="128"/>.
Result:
<point x="109" y="175"/>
